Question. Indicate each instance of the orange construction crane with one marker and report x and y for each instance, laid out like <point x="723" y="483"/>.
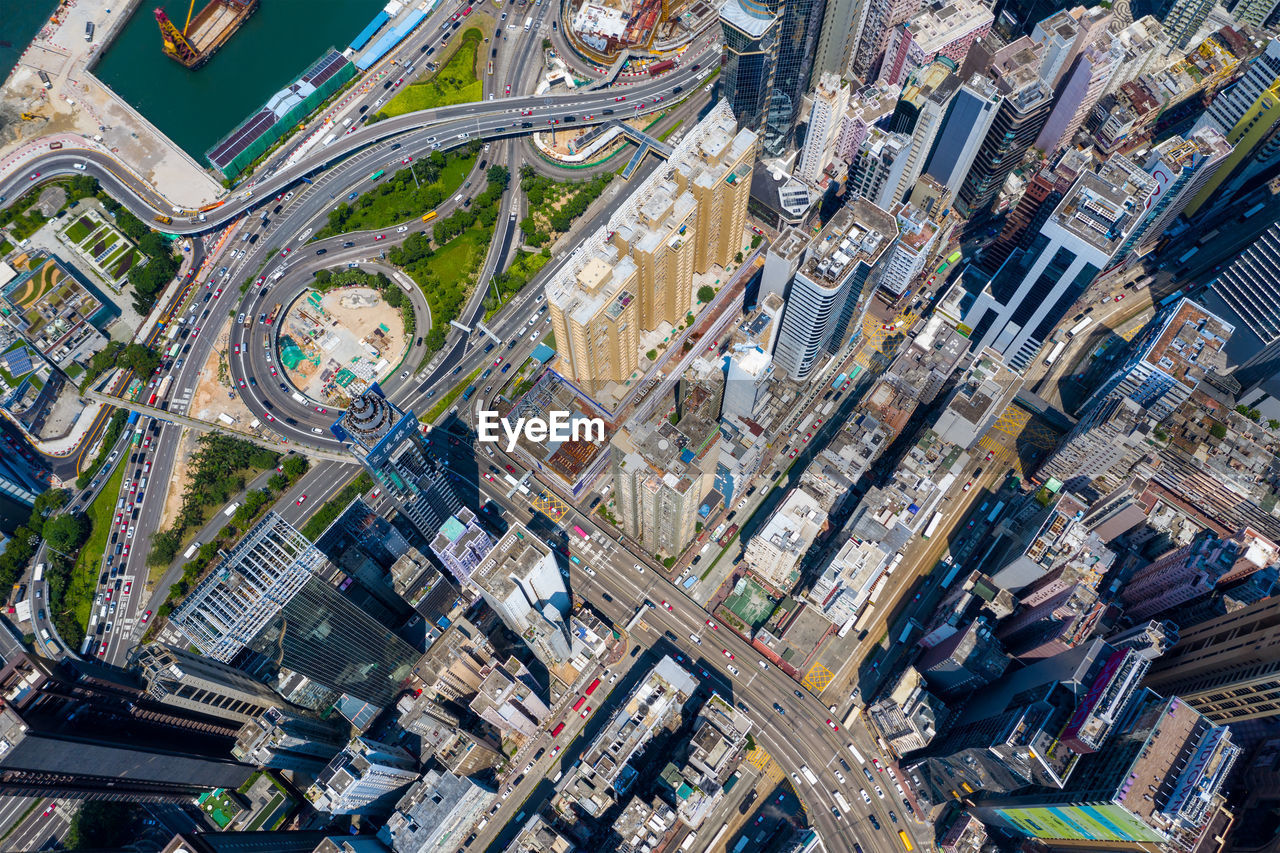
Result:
<point x="175" y="43"/>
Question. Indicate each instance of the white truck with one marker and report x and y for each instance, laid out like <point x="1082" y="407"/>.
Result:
<point x="808" y="774"/>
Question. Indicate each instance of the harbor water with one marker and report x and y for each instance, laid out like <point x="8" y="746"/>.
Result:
<point x="197" y="108"/>
<point x="20" y="20"/>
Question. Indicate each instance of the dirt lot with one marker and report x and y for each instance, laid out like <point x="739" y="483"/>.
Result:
<point x="178" y="477"/>
<point x="349" y="315"/>
<point x="210" y="397"/>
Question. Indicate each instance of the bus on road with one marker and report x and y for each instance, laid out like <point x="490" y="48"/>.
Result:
<point x="906" y="842"/>
<point x="855" y="753"/>
<point x="592" y="688"/>
<point x="557" y="730"/>
<point x="1054" y="353"/>
<point x="951" y="575"/>
<point x="428" y="216"/>
<point x="995" y="512"/>
<point x="577" y="706"/>
<point x="377" y="174"/>
<point x="578" y="530"/>
<point x="1080" y="327"/>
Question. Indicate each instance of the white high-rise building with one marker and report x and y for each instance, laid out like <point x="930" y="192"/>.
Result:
<point x="1181" y="167"/>
<point x="827" y="289"/>
<point x="749" y="373"/>
<point x="830" y="98"/>
<point x="1017" y="310"/>
<point x="363" y="779"/>
<point x="920" y="112"/>
<point x="907" y="256"/>
<point x="519" y="579"/>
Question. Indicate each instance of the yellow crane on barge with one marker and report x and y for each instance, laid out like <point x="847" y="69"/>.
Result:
<point x="200" y="38"/>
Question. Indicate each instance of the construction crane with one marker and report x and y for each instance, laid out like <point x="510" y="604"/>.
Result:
<point x="175" y="42"/>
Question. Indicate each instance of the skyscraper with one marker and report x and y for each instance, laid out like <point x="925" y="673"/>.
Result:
<point x="1230" y="105"/>
<point x="436" y="811"/>
<point x="364" y="778"/>
<point x="920" y="113"/>
<point x="1255" y="145"/>
<point x="1247" y="295"/>
<point x="1081" y="87"/>
<point x="1157" y="781"/>
<point x="1021" y="305"/>
<point x="272" y="606"/>
<point x="828" y="288"/>
<point x="906" y="257"/>
<point x="520" y="580"/>
<point x="81" y="731"/>
<point x="659" y="485"/>
<point x="390" y="445"/>
<point x="461" y="544"/>
<point x="1227" y="668"/>
<point x="745" y="385"/>
<point x="880" y="19"/>
<point x="879" y="168"/>
<point x="177" y="678"/>
<point x="1181" y="167"/>
<point x="1024" y="108"/>
<point x="635" y="274"/>
<point x="830" y="97"/>
<point x="283" y="740"/>
<point x="842" y="22"/>
<point x="1168" y="360"/>
<point x="750" y="29"/>
<point x="936" y="32"/>
<point x="1183" y="19"/>
<point x="963" y="130"/>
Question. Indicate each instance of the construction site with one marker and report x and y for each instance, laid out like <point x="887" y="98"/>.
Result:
<point x="202" y="36"/>
<point x="603" y="29"/>
<point x="334" y="345"/>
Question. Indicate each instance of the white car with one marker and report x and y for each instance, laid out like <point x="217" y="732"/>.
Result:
<point x="762" y="664"/>
<point x="839" y="777"/>
<point x="734" y="670"/>
<point x="866" y="798"/>
<point x="695" y="638"/>
<point x="639" y="568"/>
<point x="402" y="229"/>
<point x="879" y="792"/>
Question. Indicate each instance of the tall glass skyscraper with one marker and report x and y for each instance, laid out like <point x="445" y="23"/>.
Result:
<point x="272" y="607"/>
<point x="770" y="47"/>
<point x="389" y="443"/>
<point x="751" y="48"/>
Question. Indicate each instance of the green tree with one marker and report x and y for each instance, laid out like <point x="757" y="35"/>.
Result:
<point x="278" y="482"/>
<point x="164" y="548"/>
<point x="66" y="532"/>
<point x="706" y="293"/>
<point x="295" y="466"/>
<point x="102" y="825"/>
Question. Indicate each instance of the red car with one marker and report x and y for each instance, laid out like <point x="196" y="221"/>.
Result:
<point x="968" y="486"/>
<point x="322" y="410"/>
<point x="586" y="712"/>
<point x="990" y="454"/>
<point x="713" y="626"/>
<point x="668" y="606"/>
<point x="285" y="252"/>
<point x="128" y="587"/>
<point x="145" y="617"/>
<point x="508" y="92"/>
<point x="237" y="349"/>
<point x="833" y="726"/>
<point x="380" y="237"/>
<point x="35" y="175"/>
<point x="792" y="455"/>
<point x="103" y="651"/>
<point x="300" y="500"/>
<point x="1118" y="298"/>
<point x="555" y="751"/>
<point x="877" y="764"/>
<point x="268" y="416"/>
<point x="49" y="810"/>
<point x="727" y="653"/>
<point x="407" y="160"/>
<point x="510" y="469"/>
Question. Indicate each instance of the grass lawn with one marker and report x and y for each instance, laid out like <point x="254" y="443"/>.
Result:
<point x="442" y="405"/>
<point x="457" y="82"/>
<point x="461" y="256"/>
<point x="84" y="575"/>
<point x="78" y="230"/>
<point x="399" y="198"/>
<point x="670" y="130"/>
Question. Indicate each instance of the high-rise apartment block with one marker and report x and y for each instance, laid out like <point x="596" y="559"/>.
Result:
<point x="1227" y="668"/>
<point x="1022" y="304"/>
<point x="880" y="19"/>
<point x="877" y="172"/>
<point x="1081" y="87"/>
<point x="81" y="731"/>
<point x="828" y="288"/>
<point x="905" y="260"/>
<point x="363" y="779"/>
<point x="636" y="273"/>
<point x="939" y="31"/>
<point x="390" y="445"/>
<point x="181" y="679"/>
<point x="1254" y="142"/>
<point x="660" y="483"/>
<point x="1192" y="571"/>
<point x="271" y="606"/>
